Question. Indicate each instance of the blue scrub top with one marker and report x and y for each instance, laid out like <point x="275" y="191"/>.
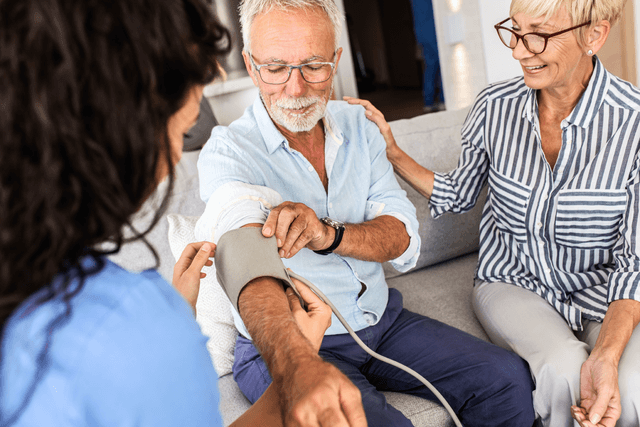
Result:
<point x="130" y="353"/>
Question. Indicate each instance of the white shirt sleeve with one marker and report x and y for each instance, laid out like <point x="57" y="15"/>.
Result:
<point x="234" y="205"/>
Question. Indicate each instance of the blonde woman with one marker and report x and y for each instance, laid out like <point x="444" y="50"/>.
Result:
<point x="558" y="278"/>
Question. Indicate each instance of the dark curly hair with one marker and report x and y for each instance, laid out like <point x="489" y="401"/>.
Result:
<point x="86" y="90"/>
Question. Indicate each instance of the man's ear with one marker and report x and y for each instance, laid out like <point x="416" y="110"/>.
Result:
<point x="338" y="55"/>
<point x="247" y="64"/>
<point x="597" y="35"/>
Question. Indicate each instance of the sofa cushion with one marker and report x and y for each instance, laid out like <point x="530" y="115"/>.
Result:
<point x="443" y="292"/>
<point x="213" y="309"/>
<point x="433" y="140"/>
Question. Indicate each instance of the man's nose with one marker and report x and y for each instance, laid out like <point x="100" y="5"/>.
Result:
<point x="296" y="86"/>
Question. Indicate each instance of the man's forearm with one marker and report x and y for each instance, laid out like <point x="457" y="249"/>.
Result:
<point x="264" y="309"/>
<point x="382" y="239"/>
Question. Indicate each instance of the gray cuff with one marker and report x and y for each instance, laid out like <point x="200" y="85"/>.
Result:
<point x="245" y="254"/>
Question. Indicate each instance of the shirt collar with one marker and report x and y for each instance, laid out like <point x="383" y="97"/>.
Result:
<point x="589" y="103"/>
<point x="274" y="139"/>
<point x="270" y="133"/>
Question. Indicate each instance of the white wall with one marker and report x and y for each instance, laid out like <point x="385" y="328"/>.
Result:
<point x="462" y="63"/>
<point x="499" y="63"/>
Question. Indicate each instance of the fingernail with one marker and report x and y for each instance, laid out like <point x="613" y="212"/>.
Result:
<point x="266" y="230"/>
<point x="206" y="247"/>
<point x="281" y="253"/>
<point x="279" y="242"/>
<point x="369" y="113"/>
<point x="595" y="419"/>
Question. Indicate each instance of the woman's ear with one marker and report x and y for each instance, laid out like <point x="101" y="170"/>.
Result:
<point x="596" y="36"/>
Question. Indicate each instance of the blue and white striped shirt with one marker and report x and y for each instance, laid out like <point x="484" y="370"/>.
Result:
<point x="569" y="234"/>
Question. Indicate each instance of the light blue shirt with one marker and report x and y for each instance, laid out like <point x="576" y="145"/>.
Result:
<point x="129" y="354"/>
<point x="248" y="168"/>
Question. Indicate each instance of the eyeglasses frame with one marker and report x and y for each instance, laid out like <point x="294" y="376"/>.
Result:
<point x="519" y="37"/>
<point x="292" y="67"/>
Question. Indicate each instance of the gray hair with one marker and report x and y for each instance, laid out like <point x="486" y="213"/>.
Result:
<point x="249" y="9"/>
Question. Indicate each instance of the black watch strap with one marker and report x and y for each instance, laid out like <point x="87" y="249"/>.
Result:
<point x="339" y="227"/>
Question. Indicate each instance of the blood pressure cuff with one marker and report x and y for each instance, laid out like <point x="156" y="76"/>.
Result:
<point x="245" y="254"/>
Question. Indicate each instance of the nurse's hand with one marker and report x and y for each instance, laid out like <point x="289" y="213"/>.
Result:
<point x="315" y="320"/>
<point x="188" y="270"/>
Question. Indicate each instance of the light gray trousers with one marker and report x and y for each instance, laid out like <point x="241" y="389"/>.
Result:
<point x="519" y="320"/>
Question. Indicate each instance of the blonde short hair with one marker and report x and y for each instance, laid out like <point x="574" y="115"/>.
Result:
<point x="580" y="11"/>
<point x="249" y="9"/>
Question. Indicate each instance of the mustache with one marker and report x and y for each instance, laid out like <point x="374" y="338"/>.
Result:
<point x="297" y="103"/>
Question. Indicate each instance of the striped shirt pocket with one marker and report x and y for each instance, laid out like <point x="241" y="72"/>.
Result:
<point x="589" y="219"/>
<point x="509" y="203"/>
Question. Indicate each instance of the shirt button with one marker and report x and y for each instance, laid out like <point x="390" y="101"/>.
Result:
<point x="547" y="270"/>
<point x="310" y="168"/>
<point x="544" y="197"/>
<point x="330" y="205"/>
<point x="538" y="225"/>
<point x="541" y="244"/>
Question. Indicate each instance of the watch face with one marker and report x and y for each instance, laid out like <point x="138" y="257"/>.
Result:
<point x="332" y="222"/>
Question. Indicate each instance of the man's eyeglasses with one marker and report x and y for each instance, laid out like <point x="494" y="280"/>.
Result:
<point x="533" y="42"/>
<point x="279" y="74"/>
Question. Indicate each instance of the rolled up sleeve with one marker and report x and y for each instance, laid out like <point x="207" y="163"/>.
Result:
<point x="458" y="190"/>
<point x="230" y="189"/>
<point x="624" y="281"/>
<point x="387" y="198"/>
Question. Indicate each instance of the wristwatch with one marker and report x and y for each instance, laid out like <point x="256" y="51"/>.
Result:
<point x="339" y="227"/>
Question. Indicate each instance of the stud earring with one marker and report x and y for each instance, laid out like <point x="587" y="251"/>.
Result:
<point x="589" y="52"/>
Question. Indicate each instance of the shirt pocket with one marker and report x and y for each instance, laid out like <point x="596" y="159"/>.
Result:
<point x="589" y="219"/>
<point x="509" y="203"/>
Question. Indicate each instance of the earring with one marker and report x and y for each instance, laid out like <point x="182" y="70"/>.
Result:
<point x="589" y="52"/>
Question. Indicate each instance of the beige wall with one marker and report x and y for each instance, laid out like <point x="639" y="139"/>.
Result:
<point x="618" y="53"/>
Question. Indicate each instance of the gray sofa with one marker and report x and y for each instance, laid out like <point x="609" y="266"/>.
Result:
<point x="439" y="287"/>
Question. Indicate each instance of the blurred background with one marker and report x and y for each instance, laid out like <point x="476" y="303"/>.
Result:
<point x="411" y="57"/>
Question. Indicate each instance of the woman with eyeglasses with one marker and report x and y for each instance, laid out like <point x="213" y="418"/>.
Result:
<point x="95" y="98"/>
<point x="558" y="277"/>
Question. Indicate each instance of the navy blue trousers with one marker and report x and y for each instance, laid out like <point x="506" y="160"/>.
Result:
<point x="485" y="384"/>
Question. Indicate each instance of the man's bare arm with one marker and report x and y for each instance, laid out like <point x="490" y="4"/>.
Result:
<point x="296" y="226"/>
<point x="308" y="387"/>
<point x="382" y="239"/>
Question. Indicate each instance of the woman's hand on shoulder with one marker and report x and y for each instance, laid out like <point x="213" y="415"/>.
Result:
<point x="376" y="117"/>
<point x="188" y="270"/>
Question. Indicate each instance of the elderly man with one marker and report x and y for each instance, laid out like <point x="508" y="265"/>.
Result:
<point x="314" y="173"/>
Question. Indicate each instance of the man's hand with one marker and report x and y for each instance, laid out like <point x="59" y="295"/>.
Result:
<point x="316" y="393"/>
<point x="315" y="320"/>
<point x="599" y="394"/>
<point x="296" y="226"/>
<point x="188" y="270"/>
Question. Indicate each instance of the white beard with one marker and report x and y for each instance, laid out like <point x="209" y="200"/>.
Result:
<point x="279" y="112"/>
